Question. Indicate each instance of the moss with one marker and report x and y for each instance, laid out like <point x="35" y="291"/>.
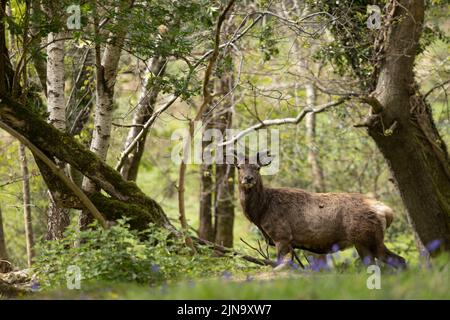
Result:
<point x="113" y="209"/>
<point x="140" y="208"/>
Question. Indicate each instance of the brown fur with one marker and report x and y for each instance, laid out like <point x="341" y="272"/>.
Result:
<point x="295" y="218"/>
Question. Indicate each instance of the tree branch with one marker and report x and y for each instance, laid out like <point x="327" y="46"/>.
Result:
<point x="442" y="84"/>
<point x="157" y="113"/>
<point x="64" y="147"/>
<point x="277" y="122"/>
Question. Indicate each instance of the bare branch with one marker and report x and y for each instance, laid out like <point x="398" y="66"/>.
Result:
<point x="277" y="122"/>
<point x="260" y="251"/>
<point x="440" y="85"/>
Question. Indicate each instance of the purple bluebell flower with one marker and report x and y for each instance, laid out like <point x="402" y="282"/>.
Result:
<point x="335" y="248"/>
<point x="293" y="265"/>
<point x="155" y="268"/>
<point x="433" y="245"/>
<point x="35" y="287"/>
<point x="367" y="260"/>
<point x="318" y="264"/>
<point x="226" y="275"/>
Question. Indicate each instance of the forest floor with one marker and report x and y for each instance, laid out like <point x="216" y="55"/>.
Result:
<point x="415" y="283"/>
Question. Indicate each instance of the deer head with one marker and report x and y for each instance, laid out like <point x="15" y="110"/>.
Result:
<point x="248" y="169"/>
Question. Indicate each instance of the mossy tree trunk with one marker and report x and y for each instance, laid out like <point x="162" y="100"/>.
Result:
<point x="401" y="123"/>
<point x="125" y="198"/>
<point x="404" y="131"/>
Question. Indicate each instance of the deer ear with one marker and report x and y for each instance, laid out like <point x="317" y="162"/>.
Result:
<point x="264" y="158"/>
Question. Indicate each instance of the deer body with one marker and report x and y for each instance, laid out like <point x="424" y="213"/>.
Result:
<point x="318" y="222"/>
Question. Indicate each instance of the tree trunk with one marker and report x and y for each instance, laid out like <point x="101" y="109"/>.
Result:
<point x="404" y="131"/>
<point x="38" y="58"/>
<point x="205" y="229"/>
<point x="224" y="211"/>
<point x="6" y="69"/>
<point x="106" y="74"/>
<point x="58" y="218"/>
<point x="144" y="110"/>
<point x="316" y="170"/>
<point x="27" y="205"/>
<point x="224" y="195"/>
<point x="55" y="77"/>
<point x="125" y="198"/>
<point x="5" y="265"/>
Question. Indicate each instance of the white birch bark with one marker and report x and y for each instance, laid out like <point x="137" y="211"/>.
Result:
<point x="55" y="81"/>
<point x="58" y="218"/>
<point x="106" y="79"/>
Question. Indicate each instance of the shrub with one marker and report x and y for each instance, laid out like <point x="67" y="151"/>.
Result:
<point x="123" y="255"/>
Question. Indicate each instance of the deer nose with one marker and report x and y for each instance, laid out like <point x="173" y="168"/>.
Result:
<point x="249" y="179"/>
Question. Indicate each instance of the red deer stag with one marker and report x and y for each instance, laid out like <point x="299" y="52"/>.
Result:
<point x="317" y="222"/>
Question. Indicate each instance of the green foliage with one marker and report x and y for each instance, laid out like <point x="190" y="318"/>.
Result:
<point x="268" y="42"/>
<point x="429" y="282"/>
<point x="122" y="255"/>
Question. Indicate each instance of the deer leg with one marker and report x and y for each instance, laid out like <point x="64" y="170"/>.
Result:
<point x="366" y="255"/>
<point x="390" y="258"/>
<point x="283" y="249"/>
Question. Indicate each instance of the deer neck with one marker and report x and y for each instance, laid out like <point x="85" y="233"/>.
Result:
<point x="254" y="202"/>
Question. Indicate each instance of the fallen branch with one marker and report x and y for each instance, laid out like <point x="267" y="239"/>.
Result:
<point x="261" y="262"/>
<point x="260" y="251"/>
<point x="277" y="122"/>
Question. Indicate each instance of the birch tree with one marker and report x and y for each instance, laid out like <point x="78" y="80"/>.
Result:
<point x="58" y="218"/>
<point x="106" y="74"/>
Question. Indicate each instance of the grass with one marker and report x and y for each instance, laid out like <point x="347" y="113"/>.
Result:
<point x="415" y="283"/>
